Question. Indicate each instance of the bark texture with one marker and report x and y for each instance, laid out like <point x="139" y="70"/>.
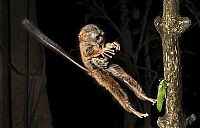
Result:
<point x="170" y="27"/>
<point x="23" y="97"/>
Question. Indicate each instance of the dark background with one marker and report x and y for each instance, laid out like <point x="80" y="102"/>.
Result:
<point x="74" y="98"/>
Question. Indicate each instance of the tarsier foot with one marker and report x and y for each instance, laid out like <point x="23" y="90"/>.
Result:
<point x="129" y="108"/>
<point x="152" y="100"/>
<point x="138" y="114"/>
<point x="141" y="115"/>
<point x="144" y="97"/>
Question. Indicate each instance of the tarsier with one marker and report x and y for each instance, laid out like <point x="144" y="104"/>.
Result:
<point x="95" y="54"/>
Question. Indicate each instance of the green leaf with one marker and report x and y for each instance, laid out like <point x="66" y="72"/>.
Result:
<point x="161" y="94"/>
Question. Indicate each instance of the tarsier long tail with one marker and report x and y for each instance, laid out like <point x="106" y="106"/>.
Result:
<point x="44" y="40"/>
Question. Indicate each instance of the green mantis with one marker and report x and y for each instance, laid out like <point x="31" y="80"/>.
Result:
<point x="162" y="90"/>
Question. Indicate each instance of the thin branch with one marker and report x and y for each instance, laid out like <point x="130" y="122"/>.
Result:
<point x="192" y="9"/>
<point x="144" y="29"/>
<point x="109" y="20"/>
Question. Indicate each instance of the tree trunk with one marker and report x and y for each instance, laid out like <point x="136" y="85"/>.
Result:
<point x="23" y="99"/>
<point x="170" y="27"/>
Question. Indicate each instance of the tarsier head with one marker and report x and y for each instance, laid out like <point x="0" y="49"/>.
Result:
<point x="91" y="33"/>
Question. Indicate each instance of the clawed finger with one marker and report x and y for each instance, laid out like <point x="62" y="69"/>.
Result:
<point x="153" y="101"/>
<point x="116" y="46"/>
<point x="110" y="51"/>
<point x="107" y="55"/>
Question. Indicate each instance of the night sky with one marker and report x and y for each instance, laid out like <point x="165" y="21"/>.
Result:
<point x="74" y="97"/>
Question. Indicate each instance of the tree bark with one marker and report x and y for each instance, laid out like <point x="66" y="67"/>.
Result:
<point x="23" y="98"/>
<point x="5" y="73"/>
<point x="170" y="27"/>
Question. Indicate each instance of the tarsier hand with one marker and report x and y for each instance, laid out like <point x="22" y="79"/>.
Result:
<point x="113" y="45"/>
<point x="110" y="49"/>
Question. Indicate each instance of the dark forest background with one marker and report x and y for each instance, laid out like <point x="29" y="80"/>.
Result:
<point x="75" y="99"/>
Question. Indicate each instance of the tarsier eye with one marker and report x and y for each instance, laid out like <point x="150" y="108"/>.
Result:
<point x="100" y="35"/>
<point x="95" y="36"/>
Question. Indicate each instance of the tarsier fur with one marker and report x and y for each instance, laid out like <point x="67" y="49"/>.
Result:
<point x="95" y="54"/>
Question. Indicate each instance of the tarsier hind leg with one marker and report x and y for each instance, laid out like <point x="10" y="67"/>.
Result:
<point x="114" y="88"/>
<point x="120" y="74"/>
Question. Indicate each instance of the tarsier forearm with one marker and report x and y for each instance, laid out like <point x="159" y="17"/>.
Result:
<point x="95" y="54"/>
